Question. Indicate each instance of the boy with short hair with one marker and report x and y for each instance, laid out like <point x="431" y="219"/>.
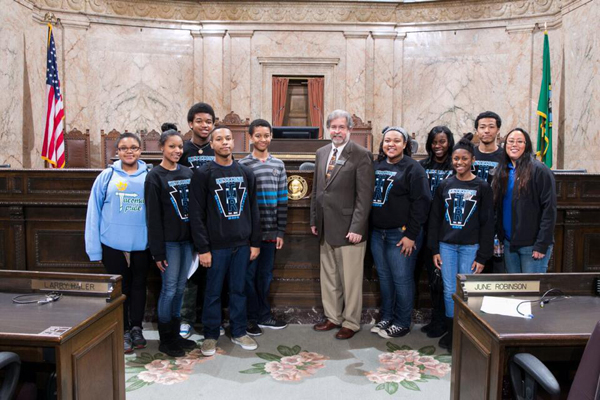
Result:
<point x="225" y="223"/>
<point x="271" y="190"/>
<point x="196" y="153"/>
<point x="488" y="153"/>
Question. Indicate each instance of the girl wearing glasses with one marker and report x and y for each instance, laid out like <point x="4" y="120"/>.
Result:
<point x="116" y="234"/>
<point x="525" y="198"/>
<point x="167" y="195"/>
<point x="461" y="226"/>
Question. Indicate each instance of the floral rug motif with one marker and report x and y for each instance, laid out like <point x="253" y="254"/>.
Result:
<point x="294" y="364"/>
<point x="404" y="367"/>
<point x="148" y="369"/>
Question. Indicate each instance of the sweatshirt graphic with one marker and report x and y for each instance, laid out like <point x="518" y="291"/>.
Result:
<point x="116" y="212"/>
<point x="482" y="169"/>
<point x="384" y="182"/>
<point x="180" y="195"/>
<point x="230" y="196"/>
<point x="435" y="177"/>
<point x="460" y="205"/>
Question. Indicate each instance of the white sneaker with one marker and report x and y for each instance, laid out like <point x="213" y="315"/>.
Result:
<point x="381" y="325"/>
<point x="185" y="330"/>
<point x="221" y="331"/>
<point x="209" y="347"/>
<point x="246" y="342"/>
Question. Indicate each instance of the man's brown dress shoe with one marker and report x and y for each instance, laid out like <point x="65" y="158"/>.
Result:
<point x="327" y="325"/>
<point x="344" y="333"/>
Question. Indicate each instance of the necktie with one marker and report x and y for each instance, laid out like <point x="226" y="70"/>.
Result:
<point x="331" y="164"/>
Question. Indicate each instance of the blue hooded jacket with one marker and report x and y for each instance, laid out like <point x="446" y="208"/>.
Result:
<point x="116" y="213"/>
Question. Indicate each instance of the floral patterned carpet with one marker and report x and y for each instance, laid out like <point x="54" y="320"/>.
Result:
<point x="295" y="363"/>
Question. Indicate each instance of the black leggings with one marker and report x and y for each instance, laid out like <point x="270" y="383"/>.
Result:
<point x="133" y="283"/>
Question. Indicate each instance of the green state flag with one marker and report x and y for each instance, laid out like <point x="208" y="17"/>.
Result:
<point x="544" y="110"/>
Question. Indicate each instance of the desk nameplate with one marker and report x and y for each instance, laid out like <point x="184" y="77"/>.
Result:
<point x="484" y="287"/>
<point x="71" y="286"/>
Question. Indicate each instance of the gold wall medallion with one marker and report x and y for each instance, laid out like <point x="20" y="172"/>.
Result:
<point x="297" y="187"/>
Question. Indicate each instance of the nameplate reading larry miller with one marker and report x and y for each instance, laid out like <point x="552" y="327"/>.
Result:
<point x="502" y="286"/>
<point x="69" y="286"/>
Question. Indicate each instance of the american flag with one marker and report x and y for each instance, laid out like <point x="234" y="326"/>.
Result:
<point x="54" y="145"/>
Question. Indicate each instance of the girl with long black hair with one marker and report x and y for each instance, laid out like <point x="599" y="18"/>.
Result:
<point x="525" y="198"/>
<point x="438" y="166"/>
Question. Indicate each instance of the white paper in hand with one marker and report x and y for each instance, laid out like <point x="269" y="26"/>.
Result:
<point x="505" y="306"/>
<point x="194" y="266"/>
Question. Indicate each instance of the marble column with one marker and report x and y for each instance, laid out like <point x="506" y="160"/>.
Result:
<point x="212" y="67"/>
<point x="240" y="72"/>
<point x="384" y="82"/>
<point x="398" y="93"/>
<point x="356" y="71"/>
<point x="198" y="58"/>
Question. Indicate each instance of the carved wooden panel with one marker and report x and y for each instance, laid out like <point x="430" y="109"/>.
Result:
<point x="3" y="184"/>
<point x="591" y="252"/>
<point x="61" y="250"/>
<point x="93" y="366"/>
<point x="59" y="186"/>
<point x="590" y="189"/>
<point x="3" y="248"/>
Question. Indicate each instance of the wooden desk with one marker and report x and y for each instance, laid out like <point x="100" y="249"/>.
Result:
<point x="88" y="353"/>
<point x="484" y="343"/>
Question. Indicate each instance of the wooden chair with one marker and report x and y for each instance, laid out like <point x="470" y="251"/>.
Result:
<point x="362" y="133"/>
<point x="109" y="146"/>
<point x="150" y="141"/>
<point x="239" y="128"/>
<point x="77" y="149"/>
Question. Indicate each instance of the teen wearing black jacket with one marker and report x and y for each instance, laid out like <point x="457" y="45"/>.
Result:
<point x="226" y="230"/>
<point x="525" y="198"/>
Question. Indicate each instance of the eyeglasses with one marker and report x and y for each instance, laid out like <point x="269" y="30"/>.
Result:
<point x="128" y="149"/>
<point x="519" y="142"/>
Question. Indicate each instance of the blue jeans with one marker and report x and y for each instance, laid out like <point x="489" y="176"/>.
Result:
<point x="521" y="262"/>
<point x="234" y="261"/>
<point x="456" y="259"/>
<point x="179" y="260"/>
<point x="258" y="282"/>
<point x="396" y="275"/>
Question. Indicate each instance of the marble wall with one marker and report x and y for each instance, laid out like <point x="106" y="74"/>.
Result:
<point x="128" y="65"/>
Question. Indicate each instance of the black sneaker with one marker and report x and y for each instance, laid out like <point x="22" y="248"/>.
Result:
<point x="381" y="325"/>
<point x="273" y="323"/>
<point x="137" y="338"/>
<point x="393" y="331"/>
<point x="252" y="329"/>
<point x="128" y="343"/>
<point x="437" y="330"/>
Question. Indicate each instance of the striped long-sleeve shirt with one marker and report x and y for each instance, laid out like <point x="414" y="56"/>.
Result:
<point x="271" y="194"/>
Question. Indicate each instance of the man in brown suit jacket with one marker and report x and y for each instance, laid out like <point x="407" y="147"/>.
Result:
<point x="339" y="215"/>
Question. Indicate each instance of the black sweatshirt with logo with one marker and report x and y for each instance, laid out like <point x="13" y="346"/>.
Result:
<point x="401" y="196"/>
<point x="167" y="197"/>
<point x="223" y="207"/>
<point x="462" y="213"/>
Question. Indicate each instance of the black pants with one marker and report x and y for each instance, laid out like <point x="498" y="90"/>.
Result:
<point x="133" y="284"/>
<point x="436" y="286"/>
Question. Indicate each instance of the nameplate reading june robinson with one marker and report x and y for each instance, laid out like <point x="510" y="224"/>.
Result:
<point x="502" y="286"/>
<point x="69" y="286"/>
